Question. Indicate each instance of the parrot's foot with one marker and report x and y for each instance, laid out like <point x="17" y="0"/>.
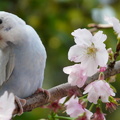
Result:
<point x="20" y="102"/>
<point x="41" y="90"/>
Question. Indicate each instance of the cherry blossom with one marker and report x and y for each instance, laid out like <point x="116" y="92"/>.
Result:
<point x="75" y="109"/>
<point x="89" y="50"/>
<point x="6" y="106"/>
<point x="76" y="76"/>
<point x="98" y="89"/>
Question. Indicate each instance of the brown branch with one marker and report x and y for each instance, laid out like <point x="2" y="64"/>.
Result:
<point x="62" y="90"/>
<point x="100" y="26"/>
<point x="95" y="27"/>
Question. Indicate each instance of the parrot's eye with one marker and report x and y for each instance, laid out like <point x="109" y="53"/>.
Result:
<point x="0" y="21"/>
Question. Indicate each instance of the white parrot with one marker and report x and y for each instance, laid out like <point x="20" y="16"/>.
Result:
<point x="22" y="57"/>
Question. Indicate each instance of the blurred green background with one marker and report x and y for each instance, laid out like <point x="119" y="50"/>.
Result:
<point x="54" y="20"/>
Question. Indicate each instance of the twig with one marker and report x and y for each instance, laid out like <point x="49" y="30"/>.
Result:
<point x="95" y="27"/>
<point x="100" y="26"/>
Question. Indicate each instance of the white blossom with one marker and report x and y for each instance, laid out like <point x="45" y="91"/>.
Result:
<point x="89" y="50"/>
<point x="7" y="106"/>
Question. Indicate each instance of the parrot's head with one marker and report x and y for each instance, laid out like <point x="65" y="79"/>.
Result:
<point x="8" y="21"/>
<point x="10" y="26"/>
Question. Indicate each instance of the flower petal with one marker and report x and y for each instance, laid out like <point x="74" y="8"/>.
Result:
<point x="99" y="37"/>
<point x="88" y="114"/>
<point x="104" y="99"/>
<point x="90" y="66"/>
<point x="68" y="69"/>
<point x="102" y="57"/>
<point x="76" y="75"/>
<point x="82" y="37"/>
<point x="115" y="22"/>
<point x="76" y="53"/>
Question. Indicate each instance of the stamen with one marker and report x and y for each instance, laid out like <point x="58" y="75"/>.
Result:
<point x="91" y="50"/>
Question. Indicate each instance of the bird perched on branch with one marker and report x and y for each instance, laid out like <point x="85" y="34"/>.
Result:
<point x="22" y="57"/>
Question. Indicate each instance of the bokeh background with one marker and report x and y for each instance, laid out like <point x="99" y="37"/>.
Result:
<point x="54" y="20"/>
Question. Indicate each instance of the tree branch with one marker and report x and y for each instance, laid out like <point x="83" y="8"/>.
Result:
<point x="100" y="26"/>
<point x="95" y="27"/>
<point x="62" y="90"/>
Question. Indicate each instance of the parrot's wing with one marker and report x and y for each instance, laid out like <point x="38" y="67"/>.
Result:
<point x="6" y="65"/>
<point x="10" y="65"/>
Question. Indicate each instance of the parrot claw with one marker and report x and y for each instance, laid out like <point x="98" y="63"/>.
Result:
<point x="41" y="90"/>
<point x="20" y="102"/>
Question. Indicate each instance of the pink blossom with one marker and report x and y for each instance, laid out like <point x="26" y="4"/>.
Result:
<point x="76" y="76"/>
<point x="89" y="50"/>
<point x="98" y="89"/>
<point x="75" y="109"/>
<point x="6" y="106"/>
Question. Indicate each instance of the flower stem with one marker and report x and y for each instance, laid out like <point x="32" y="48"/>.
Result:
<point x="62" y="117"/>
<point x="92" y="105"/>
<point x="83" y="97"/>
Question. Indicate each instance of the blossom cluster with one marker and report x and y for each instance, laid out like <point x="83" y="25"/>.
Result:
<point x="90" y="56"/>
